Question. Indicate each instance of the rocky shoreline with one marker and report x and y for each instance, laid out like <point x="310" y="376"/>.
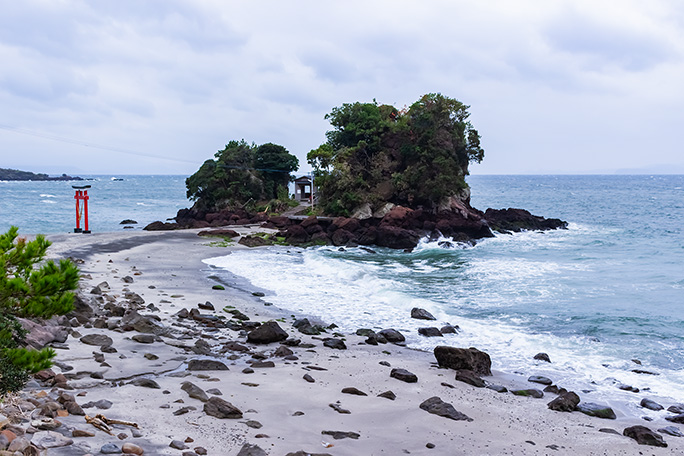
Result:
<point x="395" y="227"/>
<point x="160" y="358"/>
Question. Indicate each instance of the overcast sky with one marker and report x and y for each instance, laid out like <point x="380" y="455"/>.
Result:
<point x="157" y="87"/>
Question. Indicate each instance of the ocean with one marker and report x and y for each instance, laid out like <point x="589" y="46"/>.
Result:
<point x="49" y="207"/>
<point x="602" y="298"/>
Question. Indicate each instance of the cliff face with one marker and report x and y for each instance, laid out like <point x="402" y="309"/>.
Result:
<point x="7" y="174"/>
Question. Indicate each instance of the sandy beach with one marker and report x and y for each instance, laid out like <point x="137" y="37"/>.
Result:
<point x="282" y="412"/>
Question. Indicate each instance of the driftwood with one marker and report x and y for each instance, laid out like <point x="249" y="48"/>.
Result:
<point x="99" y="424"/>
<point x="103" y="423"/>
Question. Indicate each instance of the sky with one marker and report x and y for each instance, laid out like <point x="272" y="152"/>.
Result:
<point x="158" y="86"/>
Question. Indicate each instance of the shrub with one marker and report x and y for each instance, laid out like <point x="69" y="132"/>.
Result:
<point x="28" y="290"/>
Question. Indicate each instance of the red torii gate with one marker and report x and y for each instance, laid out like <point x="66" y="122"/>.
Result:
<point x="81" y="195"/>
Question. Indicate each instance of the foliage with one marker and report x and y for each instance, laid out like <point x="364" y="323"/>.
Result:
<point x="414" y="157"/>
<point x="241" y="173"/>
<point x="275" y="165"/>
<point x="28" y="290"/>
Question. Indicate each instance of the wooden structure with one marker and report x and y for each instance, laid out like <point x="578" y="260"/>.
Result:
<point x="304" y="189"/>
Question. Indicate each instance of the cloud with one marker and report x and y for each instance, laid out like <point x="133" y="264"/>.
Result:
<point x="600" y="43"/>
<point x="552" y="85"/>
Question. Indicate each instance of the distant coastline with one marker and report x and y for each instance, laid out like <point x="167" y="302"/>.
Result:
<point x="7" y="174"/>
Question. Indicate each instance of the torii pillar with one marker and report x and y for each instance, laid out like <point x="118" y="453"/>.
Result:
<point x="81" y="195"/>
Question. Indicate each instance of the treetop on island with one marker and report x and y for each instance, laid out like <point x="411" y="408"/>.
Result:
<point x="377" y="154"/>
<point x="241" y="173"/>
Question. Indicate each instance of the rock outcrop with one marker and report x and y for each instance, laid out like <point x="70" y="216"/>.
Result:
<point x="391" y="226"/>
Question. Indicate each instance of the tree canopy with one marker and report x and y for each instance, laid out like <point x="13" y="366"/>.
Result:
<point x="414" y="157"/>
<point x="240" y="173"/>
<point x="27" y="291"/>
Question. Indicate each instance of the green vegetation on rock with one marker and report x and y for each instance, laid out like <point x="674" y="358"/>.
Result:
<point x="28" y="291"/>
<point x="240" y="174"/>
<point x="377" y="154"/>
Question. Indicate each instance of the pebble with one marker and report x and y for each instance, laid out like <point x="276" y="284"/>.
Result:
<point x="178" y="445"/>
<point x="110" y="448"/>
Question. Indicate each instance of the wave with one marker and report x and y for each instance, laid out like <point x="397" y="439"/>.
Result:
<point x="48" y="201"/>
<point x="47" y="195"/>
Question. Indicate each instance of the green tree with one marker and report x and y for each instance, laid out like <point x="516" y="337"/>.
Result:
<point x="274" y="164"/>
<point x="28" y="290"/>
<point x="227" y="180"/>
<point x="241" y="173"/>
<point x="375" y="154"/>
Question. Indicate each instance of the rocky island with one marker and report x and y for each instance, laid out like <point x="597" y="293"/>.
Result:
<point x="385" y="177"/>
<point x="7" y="174"/>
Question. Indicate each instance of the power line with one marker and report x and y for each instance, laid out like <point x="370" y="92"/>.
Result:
<point x="87" y="144"/>
<point x="254" y="169"/>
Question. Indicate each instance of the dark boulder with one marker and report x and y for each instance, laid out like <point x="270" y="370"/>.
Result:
<point x="396" y="238"/>
<point x="566" y="402"/>
<point x="219" y="233"/>
<point x="220" y="408"/>
<point x="267" y="333"/>
<point x="497" y="388"/>
<point x="250" y="449"/>
<point x="542" y="357"/>
<point x="194" y="391"/>
<point x="39" y="335"/>
<point x="295" y="234"/>
<point x="541" y="380"/>
<point x="421" y="314"/>
<point x="530" y="392"/>
<point x="343" y="223"/>
<point x="312" y="220"/>
<point x="449" y="329"/>
<point x="677" y="408"/>
<point x="469" y="377"/>
<point x="597" y="410"/>
<point x="555" y="389"/>
<point x="650" y="404"/>
<point x="279" y="221"/>
<point x="254" y="241"/>
<point x="145" y="383"/>
<point x="430" y="332"/>
<point x="392" y="335"/>
<point x="464" y="358"/>
<point x="676" y="419"/>
<point x="388" y="395"/>
<point x="644" y="436"/>
<point x="342" y="237"/>
<point x="337" y="344"/>
<point x="354" y="391"/>
<point x="338" y="435"/>
<point x="520" y="220"/>
<point x="438" y="407"/>
<point x="404" y="375"/>
<point x="161" y="226"/>
<point x="671" y="430"/>
<point x="96" y="339"/>
<point x="205" y="365"/>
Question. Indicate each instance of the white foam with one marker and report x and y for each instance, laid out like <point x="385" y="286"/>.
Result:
<point x="46" y="195"/>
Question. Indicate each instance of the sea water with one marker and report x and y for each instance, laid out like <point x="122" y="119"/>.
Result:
<point x="602" y="298"/>
<point x="50" y="207"/>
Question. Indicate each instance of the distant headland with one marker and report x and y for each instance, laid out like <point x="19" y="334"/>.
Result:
<point x="17" y="175"/>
